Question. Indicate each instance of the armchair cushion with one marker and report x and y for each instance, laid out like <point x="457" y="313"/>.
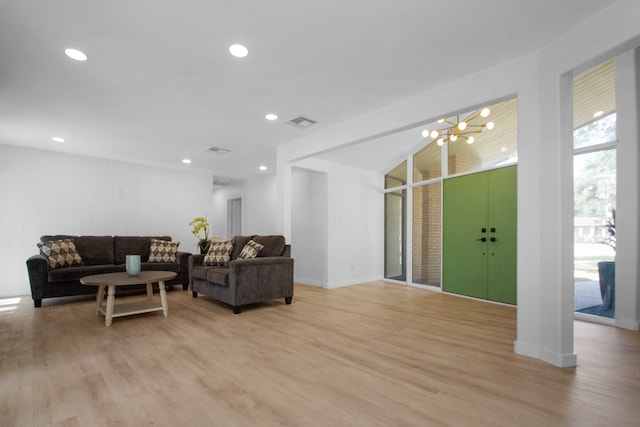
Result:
<point x="273" y="245"/>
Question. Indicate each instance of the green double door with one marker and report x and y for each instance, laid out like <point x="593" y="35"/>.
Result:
<point x="480" y="235"/>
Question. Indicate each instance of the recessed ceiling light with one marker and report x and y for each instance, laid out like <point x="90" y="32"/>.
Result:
<point x="263" y="168"/>
<point x="271" y="116"/>
<point x="57" y="139"/>
<point x="186" y="161"/>
<point x="598" y="114"/>
<point x="76" y="54"/>
<point x="238" y="50"/>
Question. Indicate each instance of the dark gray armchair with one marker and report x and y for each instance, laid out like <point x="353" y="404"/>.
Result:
<point x="246" y="281"/>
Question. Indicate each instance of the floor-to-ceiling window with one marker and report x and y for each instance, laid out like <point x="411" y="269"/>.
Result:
<point x="427" y="217"/>
<point x="594" y="178"/>
<point x="395" y="203"/>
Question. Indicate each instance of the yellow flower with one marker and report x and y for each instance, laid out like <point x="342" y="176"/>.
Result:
<point x="200" y="224"/>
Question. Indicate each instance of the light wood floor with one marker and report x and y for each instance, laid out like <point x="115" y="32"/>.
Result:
<point x="376" y="354"/>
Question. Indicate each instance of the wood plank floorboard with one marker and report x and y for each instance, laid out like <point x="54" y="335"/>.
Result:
<point x="375" y="354"/>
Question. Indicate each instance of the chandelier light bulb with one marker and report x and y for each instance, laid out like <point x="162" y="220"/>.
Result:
<point x="425" y="133"/>
<point x="462" y="125"/>
<point x="485" y="112"/>
<point x="440" y="142"/>
<point x="441" y="121"/>
<point x="453" y="137"/>
<point x="434" y="134"/>
<point x="470" y="140"/>
<point x="490" y="125"/>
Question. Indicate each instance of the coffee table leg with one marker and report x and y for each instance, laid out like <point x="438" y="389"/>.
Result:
<point x="149" y="290"/>
<point x="110" y="297"/>
<point x="163" y="298"/>
<point x="99" y="299"/>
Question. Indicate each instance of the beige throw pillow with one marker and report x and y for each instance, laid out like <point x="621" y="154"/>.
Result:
<point x="163" y="251"/>
<point x="60" y="253"/>
<point x="250" y="250"/>
<point x="219" y="254"/>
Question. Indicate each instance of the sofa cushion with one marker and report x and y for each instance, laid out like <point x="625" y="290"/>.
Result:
<point x="163" y="251"/>
<point x="95" y="250"/>
<point x="273" y="245"/>
<point x="215" y="275"/>
<point x="72" y="274"/>
<point x="218" y="275"/>
<point x="250" y="250"/>
<point x="161" y="266"/>
<point x="219" y="253"/>
<point x="134" y="245"/>
<point x="60" y="253"/>
<point x="238" y="244"/>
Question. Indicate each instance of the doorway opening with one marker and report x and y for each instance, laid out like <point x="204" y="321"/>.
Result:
<point x="234" y="217"/>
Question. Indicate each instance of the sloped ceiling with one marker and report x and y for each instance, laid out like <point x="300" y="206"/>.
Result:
<point x="160" y="85"/>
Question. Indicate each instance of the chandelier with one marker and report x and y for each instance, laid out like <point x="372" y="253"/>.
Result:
<point x="464" y="128"/>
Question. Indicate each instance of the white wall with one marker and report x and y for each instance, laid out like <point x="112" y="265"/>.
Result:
<point x="218" y="219"/>
<point x="259" y="213"/>
<point x="353" y="223"/>
<point x="542" y="83"/>
<point x="260" y="206"/>
<point x="44" y="192"/>
<point x="309" y="239"/>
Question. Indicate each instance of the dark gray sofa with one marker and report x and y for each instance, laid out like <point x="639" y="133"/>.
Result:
<point x="246" y="281"/>
<point x="100" y="254"/>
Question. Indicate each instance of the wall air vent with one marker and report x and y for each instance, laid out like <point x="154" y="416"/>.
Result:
<point x="301" y="122"/>
<point x="218" y="150"/>
<point x="221" y="180"/>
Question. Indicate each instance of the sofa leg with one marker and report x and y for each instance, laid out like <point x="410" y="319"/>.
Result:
<point x="37" y="302"/>
<point x="236" y="309"/>
<point x="185" y="286"/>
<point x="194" y="294"/>
<point x="287" y="300"/>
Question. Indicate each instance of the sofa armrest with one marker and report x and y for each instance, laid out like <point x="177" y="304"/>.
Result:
<point x="38" y="269"/>
<point x="194" y="260"/>
<point x="182" y="258"/>
<point x="274" y="275"/>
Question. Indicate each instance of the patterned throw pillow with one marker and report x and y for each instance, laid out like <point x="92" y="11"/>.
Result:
<point x="219" y="254"/>
<point x="163" y="251"/>
<point x="250" y="250"/>
<point x="61" y="253"/>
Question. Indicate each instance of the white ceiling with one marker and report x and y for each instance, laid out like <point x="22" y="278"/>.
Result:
<point x="160" y="84"/>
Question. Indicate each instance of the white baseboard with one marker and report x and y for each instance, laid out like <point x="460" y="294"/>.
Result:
<point x="631" y="324"/>
<point x="13" y="294"/>
<point x="555" y="359"/>
<point x="333" y="285"/>
<point x="359" y="281"/>
<point x="310" y="282"/>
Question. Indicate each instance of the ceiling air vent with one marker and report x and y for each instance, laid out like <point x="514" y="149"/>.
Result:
<point x="301" y="122"/>
<point x="218" y="150"/>
<point x="221" y="180"/>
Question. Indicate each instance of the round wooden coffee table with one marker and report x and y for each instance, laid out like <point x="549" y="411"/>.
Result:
<point x="112" y="280"/>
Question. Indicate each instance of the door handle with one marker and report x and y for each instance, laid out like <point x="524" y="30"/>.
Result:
<point x="483" y="239"/>
<point x="493" y="239"/>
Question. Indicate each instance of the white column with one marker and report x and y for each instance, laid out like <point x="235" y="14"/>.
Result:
<point x="627" y="204"/>
<point x="545" y="221"/>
